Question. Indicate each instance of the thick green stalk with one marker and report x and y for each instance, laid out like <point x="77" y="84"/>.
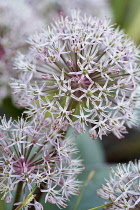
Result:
<point x="99" y="207"/>
<point x="18" y="194"/>
<point x="27" y="200"/>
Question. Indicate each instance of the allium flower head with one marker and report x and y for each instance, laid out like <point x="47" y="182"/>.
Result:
<point x="15" y="27"/>
<point x="123" y="188"/>
<point x="83" y="71"/>
<point x="33" y="154"/>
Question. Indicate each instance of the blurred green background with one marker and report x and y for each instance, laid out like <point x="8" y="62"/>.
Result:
<point x="126" y="13"/>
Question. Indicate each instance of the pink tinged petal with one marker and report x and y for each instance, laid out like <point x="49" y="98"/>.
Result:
<point x="46" y="76"/>
<point x="38" y="206"/>
<point x="93" y="134"/>
<point x="78" y="128"/>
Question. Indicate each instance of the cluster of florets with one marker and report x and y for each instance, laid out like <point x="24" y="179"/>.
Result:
<point x="15" y="27"/>
<point x="83" y="72"/>
<point x="123" y="188"/>
<point x="33" y="154"/>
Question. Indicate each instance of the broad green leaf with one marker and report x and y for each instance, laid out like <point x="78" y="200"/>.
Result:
<point x="92" y="154"/>
<point x="88" y="197"/>
<point x="91" y="151"/>
<point x="92" y="180"/>
<point x="93" y="157"/>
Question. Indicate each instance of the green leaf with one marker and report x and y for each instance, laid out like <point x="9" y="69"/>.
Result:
<point x="91" y="151"/>
<point x="88" y="198"/>
<point x="93" y="157"/>
<point x="2" y="205"/>
<point x="92" y="177"/>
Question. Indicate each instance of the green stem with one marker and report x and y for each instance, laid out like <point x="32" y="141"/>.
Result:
<point x="90" y="176"/>
<point x="18" y="194"/>
<point x="99" y="207"/>
<point x="27" y="200"/>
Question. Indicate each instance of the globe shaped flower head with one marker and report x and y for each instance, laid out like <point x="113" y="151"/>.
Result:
<point x="82" y="71"/>
<point x="123" y="188"/>
<point x="33" y="155"/>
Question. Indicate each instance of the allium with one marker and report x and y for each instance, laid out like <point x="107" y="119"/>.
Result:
<point x="33" y="154"/>
<point x="15" y="27"/>
<point x="123" y="188"/>
<point x="83" y="72"/>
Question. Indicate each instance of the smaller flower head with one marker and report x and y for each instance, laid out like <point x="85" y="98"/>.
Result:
<point x="34" y="154"/>
<point x="123" y="188"/>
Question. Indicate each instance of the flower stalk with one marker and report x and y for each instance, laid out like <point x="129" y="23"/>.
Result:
<point x="27" y="200"/>
<point x="18" y="194"/>
<point x="102" y="206"/>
